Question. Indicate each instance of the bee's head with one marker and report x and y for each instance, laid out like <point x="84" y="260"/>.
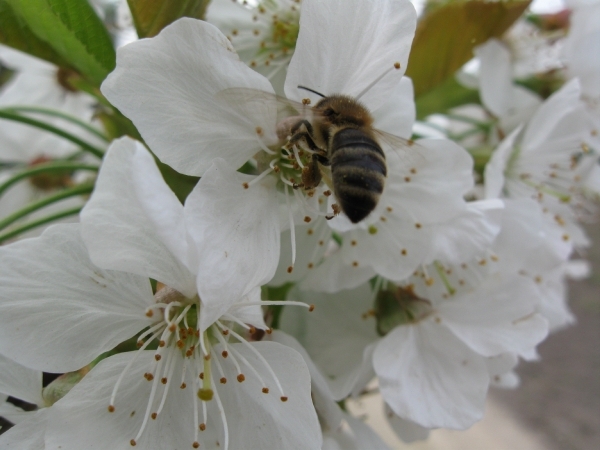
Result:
<point x="343" y="110"/>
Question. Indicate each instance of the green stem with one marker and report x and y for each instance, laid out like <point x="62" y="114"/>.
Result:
<point x="84" y="188"/>
<point x="55" y="166"/>
<point x="37" y="223"/>
<point x="6" y="114"/>
<point x="60" y="114"/>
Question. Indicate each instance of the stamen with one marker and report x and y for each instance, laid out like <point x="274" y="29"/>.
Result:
<point x="148" y="408"/>
<point x="170" y="367"/>
<point x="261" y="357"/>
<point x="127" y="367"/>
<point x="427" y="278"/>
<point x="223" y="418"/>
<point x="233" y="319"/>
<point x="252" y="369"/>
<point x="323" y="236"/>
<point x="441" y="272"/>
<point x="396" y="66"/>
<point x="292" y="227"/>
<point x="278" y="66"/>
<point x="295" y="150"/>
<point x="264" y="147"/>
<point x="179" y="319"/>
<point x="286" y="181"/>
<point x="274" y="303"/>
<point x="167" y="311"/>
<point x="203" y="424"/>
<point x="223" y="342"/>
<point x="259" y="177"/>
<point x="149" y="331"/>
<point x="307" y="206"/>
<point x="272" y="165"/>
<point x="220" y="369"/>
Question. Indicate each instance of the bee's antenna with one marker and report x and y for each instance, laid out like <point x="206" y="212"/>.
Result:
<point x="310" y="90"/>
<point x="396" y="66"/>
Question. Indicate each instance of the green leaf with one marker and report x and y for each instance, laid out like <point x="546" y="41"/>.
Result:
<point x="445" y="96"/>
<point x="151" y="16"/>
<point x="447" y="34"/>
<point x="72" y="29"/>
<point x="15" y="33"/>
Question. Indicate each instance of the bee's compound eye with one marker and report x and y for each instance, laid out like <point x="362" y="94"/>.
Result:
<point x="328" y="112"/>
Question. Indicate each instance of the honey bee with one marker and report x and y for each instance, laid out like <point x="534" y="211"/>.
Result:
<point x="338" y="134"/>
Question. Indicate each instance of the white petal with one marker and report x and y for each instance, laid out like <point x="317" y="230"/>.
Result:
<point x="335" y="274"/>
<point x="20" y="382"/>
<point x="329" y="412"/>
<point x="236" y="231"/>
<point x="468" y="234"/>
<point x="581" y="47"/>
<point x="406" y="430"/>
<point x="355" y="435"/>
<point x="13" y="413"/>
<point x="397" y="114"/>
<point x="578" y="269"/>
<point x="434" y="192"/>
<point x="162" y="208"/>
<point x="117" y="230"/>
<point x="496" y="166"/>
<point x="27" y="435"/>
<point x="81" y="419"/>
<point x="497" y="317"/>
<point x="545" y="121"/>
<point x="364" y="39"/>
<point x="70" y="311"/>
<point x="167" y="86"/>
<point x="263" y="421"/>
<point x="255" y="420"/>
<point x="501" y="371"/>
<point x="250" y="314"/>
<point x="336" y="335"/>
<point x="428" y="376"/>
<point x="495" y="77"/>
<point x="528" y="240"/>
<point x="308" y="251"/>
<point x="554" y="306"/>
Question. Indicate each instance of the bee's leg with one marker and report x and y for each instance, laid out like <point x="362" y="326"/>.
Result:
<point x="303" y="135"/>
<point x="311" y="174"/>
<point x="322" y="158"/>
<point x="336" y="210"/>
<point x="298" y="124"/>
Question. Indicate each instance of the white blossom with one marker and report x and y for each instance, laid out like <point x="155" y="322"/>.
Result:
<point x="548" y="160"/>
<point x="134" y="229"/>
<point x="446" y="319"/>
<point x="194" y="123"/>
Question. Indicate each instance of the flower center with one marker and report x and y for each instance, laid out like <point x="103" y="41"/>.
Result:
<point x="48" y="181"/>
<point x="202" y="358"/>
<point x="399" y="306"/>
<point x="271" y="39"/>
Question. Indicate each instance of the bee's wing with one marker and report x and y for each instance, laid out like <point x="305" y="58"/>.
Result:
<point x="404" y="152"/>
<point x="255" y="101"/>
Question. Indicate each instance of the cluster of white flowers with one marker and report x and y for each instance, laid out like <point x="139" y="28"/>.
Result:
<point x="456" y="272"/>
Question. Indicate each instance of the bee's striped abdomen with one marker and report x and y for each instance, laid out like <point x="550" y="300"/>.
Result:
<point x="358" y="170"/>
